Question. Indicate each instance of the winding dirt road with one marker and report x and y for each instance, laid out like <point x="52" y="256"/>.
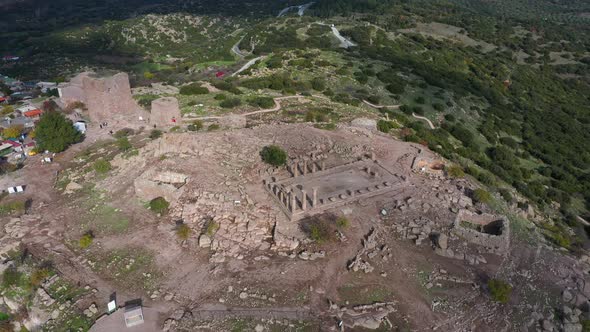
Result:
<point x="425" y="119"/>
<point x="277" y="108"/>
<point x="430" y="124"/>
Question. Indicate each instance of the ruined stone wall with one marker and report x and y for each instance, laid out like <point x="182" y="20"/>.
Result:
<point x="498" y="244"/>
<point x="154" y="183"/>
<point x="109" y="98"/>
<point x="164" y="111"/>
<point x="73" y="91"/>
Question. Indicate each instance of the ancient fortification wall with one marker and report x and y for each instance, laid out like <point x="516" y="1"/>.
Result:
<point x="466" y="223"/>
<point x="165" y="112"/>
<point x="108" y="99"/>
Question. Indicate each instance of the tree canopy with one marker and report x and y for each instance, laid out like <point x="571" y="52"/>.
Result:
<point x="56" y="133"/>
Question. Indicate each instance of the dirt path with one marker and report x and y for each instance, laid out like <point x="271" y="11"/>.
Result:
<point x="236" y="48"/>
<point x="248" y="65"/>
<point x="425" y="119"/>
<point x="217" y="311"/>
<point x="344" y="42"/>
<point x="430" y="124"/>
<point x="276" y="108"/>
<point x="381" y="106"/>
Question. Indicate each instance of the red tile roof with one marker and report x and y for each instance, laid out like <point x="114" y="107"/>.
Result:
<point x="13" y="143"/>
<point x="32" y="113"/>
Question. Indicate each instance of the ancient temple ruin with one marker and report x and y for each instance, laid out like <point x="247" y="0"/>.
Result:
<point x="314" y="188"/>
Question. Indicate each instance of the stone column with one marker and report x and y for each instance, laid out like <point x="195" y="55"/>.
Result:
<point x="293" y="201"/>
<point x="352" y="193"/>
<point x="313" y="166"/>
<point x="323" y="165"/>
<point x="373" y="156"/>
<point x="305" y="167"/>
<point x="281" y="196"/>
<point x="315" y="197"/>
<point x="303" y="200"/>
<point x="369" y="170"/>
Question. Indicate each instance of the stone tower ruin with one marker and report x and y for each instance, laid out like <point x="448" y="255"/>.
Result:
<point x="108" y="99"/>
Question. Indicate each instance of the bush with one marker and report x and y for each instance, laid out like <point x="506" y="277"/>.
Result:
<point x="193" y="89"/>
<point x="262" y="102"/>
<point x="7" y="109"/>
<point x="499" y="290"/>
<point x="230" y="103"/>
<point x="13" y="131"/>
<point x="506" y="195"/>
<point x="450" y="117"/>
<point x="183" y="232"/>
<point x="321" y="229"/>
<point x="318" y="84"/>
<point x="220" y="96"/>
<point x="124" y="144"/>
<point x="482" y="196"/>
<point x="196" y="125"/>
<point x="420" y="100"/>
<point x="273" y="155"/>
<point x="38" y="276"/>
<point x="159" y="205"/>
<point x="223" y="85"/>
<point x="155" y="134"/>
<point x="385" y="126"/>
<point x="17" y="207"/>
<point x="455" y="171"/>
<point x="438" y="106"/>
<point x="55" y="132"/>
<point x="11" y="277"/>
<point x="124" y="133"/>
<point x="342" y="223"/>
<point x="211" y="228"/>
<point x="102" y="166"/>
<point x="86" y="240"/>
<point x="213" y="127"/>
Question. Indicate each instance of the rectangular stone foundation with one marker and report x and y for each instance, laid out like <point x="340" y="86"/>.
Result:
<point x="330" y="188"/>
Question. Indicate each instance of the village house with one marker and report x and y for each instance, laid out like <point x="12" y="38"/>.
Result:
<point x="6" y="149"/>
<point x="33" y="114"/>
<point x="46" y="86"/>
<point x="21" y="110"/>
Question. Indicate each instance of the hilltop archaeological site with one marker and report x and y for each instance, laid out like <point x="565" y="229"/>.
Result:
<point x="357" y="231"/>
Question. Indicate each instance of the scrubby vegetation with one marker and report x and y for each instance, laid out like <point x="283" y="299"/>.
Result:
<point x="102" y="166"/>
<point x="500" y="291"/>
<point x="183" y="232"/>
<point x="86" y="240"/>
<point x="322" y="229"/>
<point x="155" y="134"/>
<point x="273" y="155"/>
<point x="159" y="205"/>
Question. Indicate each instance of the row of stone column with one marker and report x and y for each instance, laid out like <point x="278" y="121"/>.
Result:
<point x="304" y="167"/>
<point x="288" y="197"/>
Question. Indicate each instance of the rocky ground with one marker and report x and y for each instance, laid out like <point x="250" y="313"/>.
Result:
<point x="398" y="263"/>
